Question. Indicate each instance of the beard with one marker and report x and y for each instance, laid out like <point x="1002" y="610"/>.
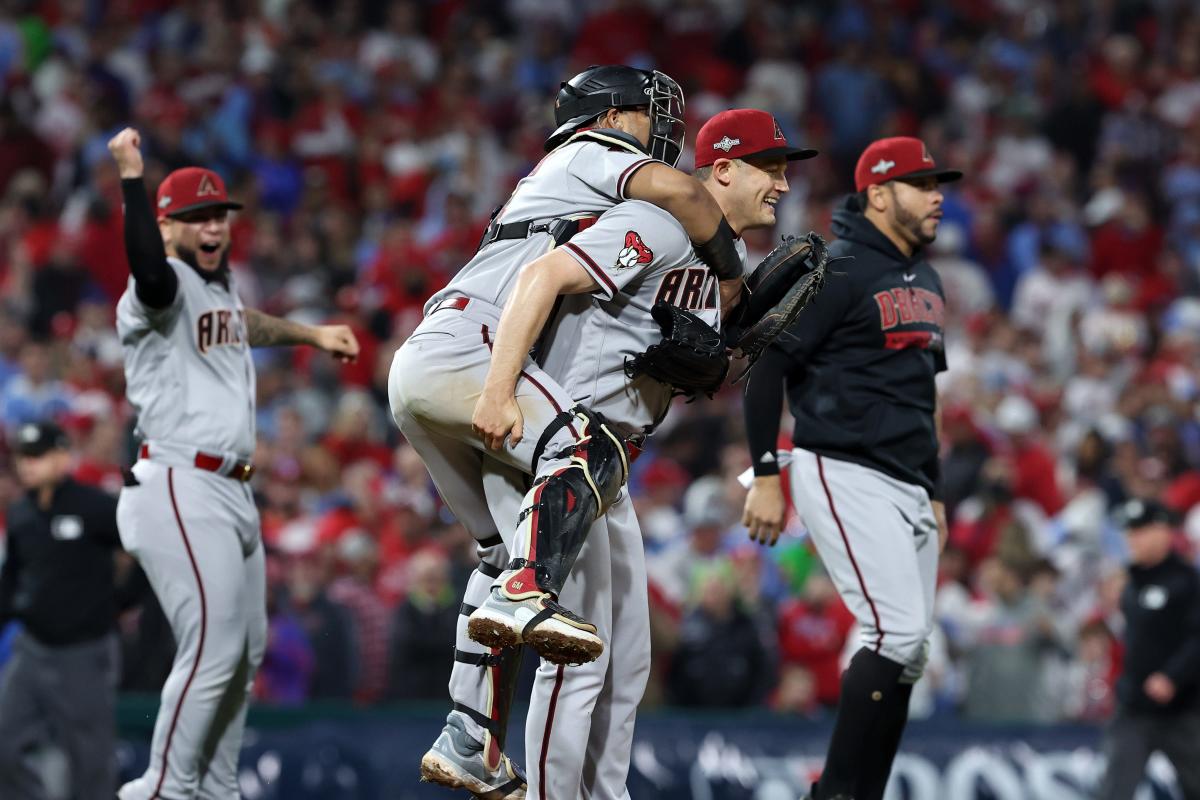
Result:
<point x="219" y="275"/>
<point x="914" y="225"/>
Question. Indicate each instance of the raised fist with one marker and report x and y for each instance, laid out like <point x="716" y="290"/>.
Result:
<point x="125" y="151"/>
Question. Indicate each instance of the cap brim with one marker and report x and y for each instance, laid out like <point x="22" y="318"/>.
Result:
<point x="942" y="175"/>
<point x="230" y="204"/>
<point x="790" y="153"/>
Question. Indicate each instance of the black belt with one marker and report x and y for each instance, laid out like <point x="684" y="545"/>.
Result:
<point x="561" y="229"/>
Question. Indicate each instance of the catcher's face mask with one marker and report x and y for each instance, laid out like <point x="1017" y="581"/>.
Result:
<point x="667" y="128"/>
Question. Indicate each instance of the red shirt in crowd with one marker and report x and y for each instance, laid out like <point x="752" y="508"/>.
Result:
<point x="1036" y="477"/>
<point x="813" y="636"/>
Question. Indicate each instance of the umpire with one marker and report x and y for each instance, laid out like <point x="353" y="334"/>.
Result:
<point x="859" y="366"/>
<point x="1158" y="693"/>
<point x="57" y="581"/>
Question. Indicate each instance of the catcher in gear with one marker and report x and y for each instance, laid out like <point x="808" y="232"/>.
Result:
<point x="598" y="299"/>
<point x="742" y="156"/>
<point x="612" y="122"/>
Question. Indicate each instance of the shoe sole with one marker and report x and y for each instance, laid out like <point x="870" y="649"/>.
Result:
<point x="490" y="631"/>
<point x="553" y="639"/>
<point x="437" y="769"/>
<point x="559" y="648"/>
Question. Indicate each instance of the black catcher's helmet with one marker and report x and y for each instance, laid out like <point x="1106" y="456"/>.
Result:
<point x="597" y="89"/>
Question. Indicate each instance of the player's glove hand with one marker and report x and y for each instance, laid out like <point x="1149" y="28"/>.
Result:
<point x="780" y="287"/>
<point x="691" y="356"/>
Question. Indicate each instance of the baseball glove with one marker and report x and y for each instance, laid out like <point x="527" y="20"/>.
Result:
<point x="779" y="288"/>
<point x="691" y="356"/>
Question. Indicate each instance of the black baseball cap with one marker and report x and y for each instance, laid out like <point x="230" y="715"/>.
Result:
<point x="1140" y="512"/>
<point x="35" y="439"/>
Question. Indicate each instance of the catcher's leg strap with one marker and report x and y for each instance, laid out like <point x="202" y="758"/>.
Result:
<point x="561" y="421"/>
<point x="492" y="726"/>
<point x="501" y="670"/>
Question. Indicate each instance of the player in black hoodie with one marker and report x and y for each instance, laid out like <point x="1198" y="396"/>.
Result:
<point x="859" y="366"/>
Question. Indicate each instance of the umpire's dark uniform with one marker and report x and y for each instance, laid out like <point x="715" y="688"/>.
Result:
<point x="1161" y="606"/>
<point x="57" y="581"/>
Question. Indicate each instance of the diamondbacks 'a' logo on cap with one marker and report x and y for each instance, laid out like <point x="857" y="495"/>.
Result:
<point x="778" y="130"/>
<point x="726" y="144"/>
<point x="208" y="187"/>
<point x="635" y="253"/>
<point x="928" y="159"/>
<point x="882" y="167"/>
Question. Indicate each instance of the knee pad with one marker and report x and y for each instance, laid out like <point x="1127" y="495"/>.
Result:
<point x="600" y="452"/>
<point x="602" y="455"/>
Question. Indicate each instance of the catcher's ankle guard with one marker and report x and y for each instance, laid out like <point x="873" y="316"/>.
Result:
<point x="563" y="505"/>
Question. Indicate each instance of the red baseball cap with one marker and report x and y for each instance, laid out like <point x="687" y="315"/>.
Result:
<point x="743" y="133"/>
<point x="898" y="157"/>
<point x="191" y="189"/>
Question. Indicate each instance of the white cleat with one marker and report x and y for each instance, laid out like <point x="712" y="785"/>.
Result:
<point x="558" y="635"/>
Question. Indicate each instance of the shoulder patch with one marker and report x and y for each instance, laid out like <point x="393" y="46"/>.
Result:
<point x="635" y="252"/>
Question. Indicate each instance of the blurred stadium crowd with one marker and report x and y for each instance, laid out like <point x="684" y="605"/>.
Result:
<point x="370" y="141"/>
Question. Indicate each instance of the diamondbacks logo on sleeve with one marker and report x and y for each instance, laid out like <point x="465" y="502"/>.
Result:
<point x="635" y="253"/>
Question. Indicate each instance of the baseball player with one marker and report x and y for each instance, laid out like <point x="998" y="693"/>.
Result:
<point x="859" y="367"/>
<point x="619" y="133"/>
<point x="598" y="292"/>
<point x="186" y="512"/>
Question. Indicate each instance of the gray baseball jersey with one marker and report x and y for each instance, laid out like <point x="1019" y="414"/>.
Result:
<point x="195" y="532"/>
<point x="582" y="178"/>
<point x="188" y="371"/>
<point x="434" y="382"/>
<point x="639" y="255"/>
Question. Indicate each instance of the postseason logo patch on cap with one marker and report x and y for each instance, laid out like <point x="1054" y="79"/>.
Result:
<point x="726" y="144"/>
<point x="744" y="133"/>
<point x="895" y="158"/>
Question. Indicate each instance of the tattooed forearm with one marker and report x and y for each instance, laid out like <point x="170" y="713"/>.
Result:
<point x="264" y="330"/>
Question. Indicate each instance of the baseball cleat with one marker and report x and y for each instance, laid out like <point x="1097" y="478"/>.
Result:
<point x="535" y="619"/>
<point x="457" y="761"/>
